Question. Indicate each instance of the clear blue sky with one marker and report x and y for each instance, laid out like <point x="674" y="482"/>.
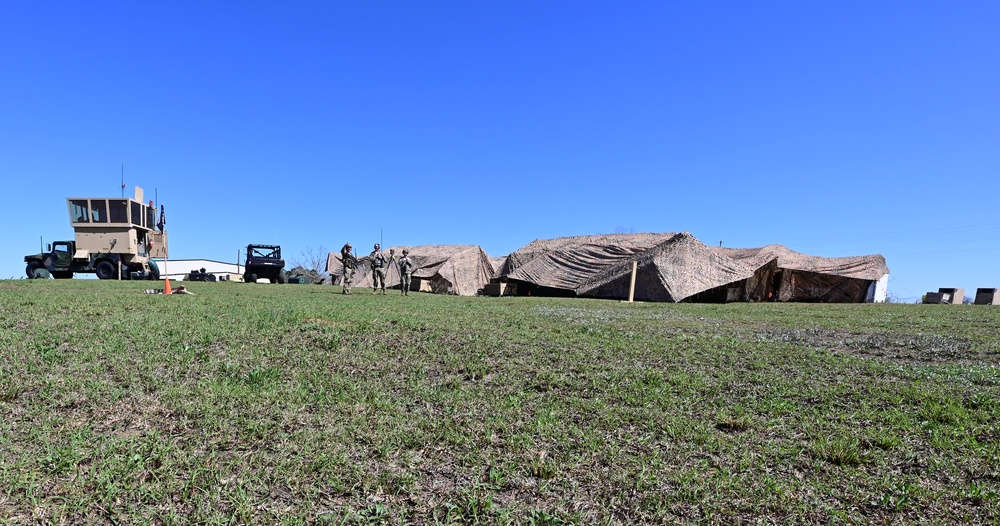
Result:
<point x="834" y="128"/>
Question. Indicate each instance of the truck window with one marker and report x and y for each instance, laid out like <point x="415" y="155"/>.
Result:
<point x="60" y="248"/>
<point x="98" y="211"/>
<point x="118" y="210"/>
<point x="78" y="211"/>
<point x="136" y="213"/>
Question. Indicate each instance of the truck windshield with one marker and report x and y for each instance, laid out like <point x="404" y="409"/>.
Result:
<point x="265" y="252"/>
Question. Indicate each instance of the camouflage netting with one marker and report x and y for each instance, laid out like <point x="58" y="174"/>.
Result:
<point x="801" y="277"/>
<point x="678" y="267"/>
<point x="870" y="267"/>
<point x="442" y="269"/>
<point x="497" y="262"/>
<point x="568" y="263"/>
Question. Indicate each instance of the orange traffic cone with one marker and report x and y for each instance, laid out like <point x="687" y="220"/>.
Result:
<point x="166" y="285"/>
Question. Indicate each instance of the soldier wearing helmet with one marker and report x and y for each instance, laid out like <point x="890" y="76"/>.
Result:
<point x="379" y="262"/>
<point x="405" y="273"/>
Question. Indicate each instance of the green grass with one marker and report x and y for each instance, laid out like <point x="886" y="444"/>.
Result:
<point x="294" y="404"/>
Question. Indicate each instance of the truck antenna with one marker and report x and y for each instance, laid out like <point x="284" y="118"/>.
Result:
<point x="123" y="180"/>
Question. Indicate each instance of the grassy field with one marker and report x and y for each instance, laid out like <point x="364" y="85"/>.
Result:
<point x="295" y="404"/>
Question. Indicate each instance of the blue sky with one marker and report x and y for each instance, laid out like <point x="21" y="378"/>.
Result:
<point x="836" y="128"/>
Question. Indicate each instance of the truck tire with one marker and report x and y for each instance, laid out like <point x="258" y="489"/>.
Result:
<point x="105" y="270"/>
<point x="31" y="268"/>
<point x="281" y="278"/>
<point x="250" y="278"/>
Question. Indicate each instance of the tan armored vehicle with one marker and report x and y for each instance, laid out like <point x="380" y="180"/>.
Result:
<point x="116" y="238"/>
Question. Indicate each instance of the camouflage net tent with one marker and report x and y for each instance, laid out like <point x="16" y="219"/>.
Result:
<point x="801" y="277"/>
<point x="562" y="266"/>
<point x="677" y="267"/>
<point x="462" y="270"/>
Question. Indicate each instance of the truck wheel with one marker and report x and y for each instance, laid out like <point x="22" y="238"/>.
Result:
<point x="105" y="270"/>
<point x="250" y="278"/>
<point x="31" y="268"/>
<point x="281" y="278"/>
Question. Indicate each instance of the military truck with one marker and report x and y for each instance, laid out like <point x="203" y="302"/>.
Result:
<point x="264" y="261"/>
<point x="115" y="239"/>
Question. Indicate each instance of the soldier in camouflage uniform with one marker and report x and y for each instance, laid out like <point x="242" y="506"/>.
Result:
<point x="379" y="263"/>
<point x="350" y="263"/>
<point x="405" y="273"/>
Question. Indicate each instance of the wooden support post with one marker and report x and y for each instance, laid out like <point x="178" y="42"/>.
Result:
<point x="631" y="287"/>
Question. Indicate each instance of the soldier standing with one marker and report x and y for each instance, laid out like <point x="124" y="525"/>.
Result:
<point x="379" y="262"/>
<point x="350" y="263"/>
<point x="405" y="272"/>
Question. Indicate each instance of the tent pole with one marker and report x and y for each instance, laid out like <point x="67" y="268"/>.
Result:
<point x="631" y="287"/>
